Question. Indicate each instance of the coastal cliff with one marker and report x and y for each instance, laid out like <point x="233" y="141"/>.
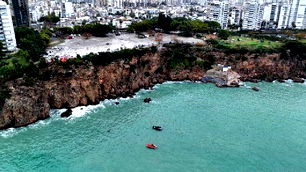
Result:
<point x="88" y="83"/>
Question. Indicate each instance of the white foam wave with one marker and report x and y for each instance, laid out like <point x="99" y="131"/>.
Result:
<point x="289" y="81"/>
<point x="81" y="111"/>
<point x="287" y="85"/>
<point x="10" y="132"/>
<point x="54" y="115"/>
<point x="174" y="82"/>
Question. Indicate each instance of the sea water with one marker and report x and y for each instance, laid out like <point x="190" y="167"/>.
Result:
<point x="205" y="128"/>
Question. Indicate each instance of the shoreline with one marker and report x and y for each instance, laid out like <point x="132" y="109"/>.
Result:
<point x="102" y="103"/>
<point x="87" y="83"/>
<point x="97" y="105"/>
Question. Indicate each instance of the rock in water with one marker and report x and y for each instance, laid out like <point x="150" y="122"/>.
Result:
<point x="222" y="78"/>
<point x="298" y="80"/>
<point x="67" y="113"/>
<point x="147" y="100"/>
<point x="255" y="88"/>
<point x="116" y="103"/>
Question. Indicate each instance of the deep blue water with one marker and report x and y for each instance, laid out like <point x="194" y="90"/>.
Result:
<point x="205" y="129"/>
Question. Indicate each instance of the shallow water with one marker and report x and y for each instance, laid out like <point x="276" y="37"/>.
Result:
<point x="205" y="129"/>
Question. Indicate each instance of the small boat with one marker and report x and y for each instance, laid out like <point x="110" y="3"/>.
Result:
<point x="158" y="128"/>
<point x="151" y="146"/>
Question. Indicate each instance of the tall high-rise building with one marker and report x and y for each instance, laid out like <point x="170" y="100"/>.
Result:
<point x="271" y="15"/>
<point x="297" y="17"/>
<point x="7" y="34"/>
<point x="252" y="15"/>
<point x="21" y="12"/>
<point x="224" y="13"/>
<point x="284" y="10"/>
<point x="218" y="11"/>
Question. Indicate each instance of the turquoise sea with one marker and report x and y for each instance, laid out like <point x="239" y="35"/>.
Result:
<point x="205" y="129"/>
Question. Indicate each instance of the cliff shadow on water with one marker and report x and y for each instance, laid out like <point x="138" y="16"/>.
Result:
<point x="95" y="77"/>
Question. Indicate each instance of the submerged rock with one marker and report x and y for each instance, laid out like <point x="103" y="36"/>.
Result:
<point x="255" y="88"/>
<point x="67" y="113"/>
<point x="147" y="100"/>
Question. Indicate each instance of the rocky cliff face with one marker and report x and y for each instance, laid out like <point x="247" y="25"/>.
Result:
<point x="86" y="84"/>
<point x="263" y="67"/>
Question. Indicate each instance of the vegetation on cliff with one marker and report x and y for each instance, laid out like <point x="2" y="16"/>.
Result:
<point x="187" y="55"/>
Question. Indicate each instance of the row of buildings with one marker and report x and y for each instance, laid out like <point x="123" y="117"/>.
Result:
<point x="255" y="14"/>
<point x="275" y="15"/>
<point x="239" y="14"/>
<point x="243" y="14"/>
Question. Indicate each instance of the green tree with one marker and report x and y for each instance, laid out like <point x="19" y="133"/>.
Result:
<point x="50" y="20"/>
<point x="294" y="50"/>
<point x="31" y="41"/>
<point x="198" y="26"/>
<point x="213" y="26"/>
<point x="223" y="34"/>
<point x="143" y="26"/>
<point x="164" y="22"/>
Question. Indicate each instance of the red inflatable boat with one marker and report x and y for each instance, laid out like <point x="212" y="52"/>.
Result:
<point x="151" y="146"/>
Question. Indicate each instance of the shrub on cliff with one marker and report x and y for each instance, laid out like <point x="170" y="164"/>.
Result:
<point x="179" y="55"/>
<point x="294" y="50"/>
<point x="204" y="64"/>
<point x="105" y="58"/>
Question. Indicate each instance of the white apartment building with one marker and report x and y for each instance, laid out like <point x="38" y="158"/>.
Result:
<point x="298" y="14"/>
<point x="218" y="11"/>
<point x="7" y="33"/>
<point x="67" y="9"/>
<point x="252" y="16"/>
<point x="284" y="11"/>
<point x="224" y="13"/>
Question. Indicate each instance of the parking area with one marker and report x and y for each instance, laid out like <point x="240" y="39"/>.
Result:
<point x="78" y="45"/>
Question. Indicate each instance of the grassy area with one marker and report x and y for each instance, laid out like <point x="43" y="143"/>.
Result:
<point x="14" y="65"/>
<point x="19" y="57"/>
<point x="250" y="43"/>
<point x="303" y="41"/>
